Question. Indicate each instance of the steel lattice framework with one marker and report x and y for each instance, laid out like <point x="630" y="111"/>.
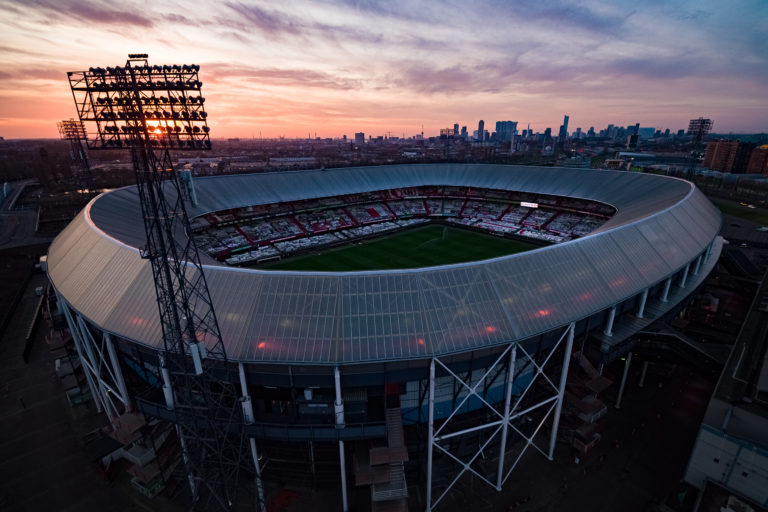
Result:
<point x="500" y="422"/>
<point x="74" y="131"/>
<point x="150" y="110"/>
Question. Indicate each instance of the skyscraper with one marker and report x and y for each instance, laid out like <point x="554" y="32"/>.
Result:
<point x="455" y="129"/>
<point x="359" y="138"/>
<point x="481" y="131"/>
<point x="563" y="133"/>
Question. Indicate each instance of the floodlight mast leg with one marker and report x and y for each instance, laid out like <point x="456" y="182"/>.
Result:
<point x="206" y="410"/>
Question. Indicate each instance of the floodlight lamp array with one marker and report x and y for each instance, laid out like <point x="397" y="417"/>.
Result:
<point x="143" y="105"/>
<point x="71" y="129"/>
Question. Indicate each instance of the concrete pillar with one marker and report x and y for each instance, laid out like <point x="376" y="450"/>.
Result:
<point x="665" y="293"/>
<point x="642" y="374"/>
<point x="641" y="307"/>
<point x="339" y="410"/>
<point x="624" y="379"/>
<point x="697" y="267"/>
<point x="608" y="330"/>
<point x="247" y="405"/>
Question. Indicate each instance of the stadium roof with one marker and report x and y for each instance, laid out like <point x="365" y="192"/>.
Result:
<point x="324" y="318"/>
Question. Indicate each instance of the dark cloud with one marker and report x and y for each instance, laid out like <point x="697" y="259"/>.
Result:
<point x="88" y="11"/>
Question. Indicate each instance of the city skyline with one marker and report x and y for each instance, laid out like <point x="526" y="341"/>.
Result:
<point x="335" y="68"/>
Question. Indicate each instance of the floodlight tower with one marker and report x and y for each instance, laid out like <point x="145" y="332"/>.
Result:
<point x="74" y="132"/>
<point x="150" y="110"/>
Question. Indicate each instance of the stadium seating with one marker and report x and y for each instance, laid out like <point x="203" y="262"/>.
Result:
<point x="253" y="234"/>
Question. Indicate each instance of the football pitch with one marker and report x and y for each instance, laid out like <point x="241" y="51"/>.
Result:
<point x="413" y="248"/>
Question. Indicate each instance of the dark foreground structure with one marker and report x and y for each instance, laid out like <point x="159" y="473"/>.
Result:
<point x="401" y="378"/>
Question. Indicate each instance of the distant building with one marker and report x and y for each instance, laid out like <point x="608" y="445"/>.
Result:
<point x="632" y="141"/>
<point x="481" y="130"/>
<point x="505" y="130"/>
<point x="758" y="161"/>
<point x="563" y="133"/>
<point x="464" y="134"/>
<point x="456" y="129"/>
<point x="359" y="138"/>
<point x="720" y="154"/>
<point x="700" y="127"/>
<point x="645" y="133"/>
<point x="728" y="156"/>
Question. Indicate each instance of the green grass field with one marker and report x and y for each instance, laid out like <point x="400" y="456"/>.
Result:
<point x="758" y="215"/>
<point x="420" y="247"/>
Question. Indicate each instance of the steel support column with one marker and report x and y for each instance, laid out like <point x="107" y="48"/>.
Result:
<point x="608" y="330"/>
<point x="74" y="330"/>
<point x="430" y="432"/>
<point x="339" y="411"/>
<point x="118" y="372"/>
<point x="561" y="388"/>
<point x="641" y="307"/>
<point x="642" y="374"/>
<point x="697" y="266"/>
<point x="665" y="293"/>
<point x="624" y="380"/>
<point x="505" y="428"/>
<point x="684" y="279"/>
<point x="248" y="416"/>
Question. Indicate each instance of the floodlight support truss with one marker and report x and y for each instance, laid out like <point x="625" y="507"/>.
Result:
<point x="502" y="422"/>
<point x="74" y="132"/>
<point x="149" y="110"/>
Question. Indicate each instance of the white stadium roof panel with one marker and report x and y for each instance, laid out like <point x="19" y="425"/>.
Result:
<point x="325" y="318"/>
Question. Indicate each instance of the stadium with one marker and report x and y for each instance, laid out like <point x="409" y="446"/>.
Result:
<point x="381" y="376"/>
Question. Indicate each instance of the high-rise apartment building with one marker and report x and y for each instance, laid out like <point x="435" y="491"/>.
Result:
<point x="505" y="130"/>
<point x="728" y="156"/>
<point x="700" y="127"/>
<point x="359" y="138"/>
<point x="481" y="131"/>
<point x="758" y="161"/>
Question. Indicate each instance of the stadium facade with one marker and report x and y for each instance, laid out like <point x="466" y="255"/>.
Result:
<point x="473" y="356"/>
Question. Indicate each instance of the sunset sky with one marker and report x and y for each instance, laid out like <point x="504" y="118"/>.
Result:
<point x="336" y="67"/>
